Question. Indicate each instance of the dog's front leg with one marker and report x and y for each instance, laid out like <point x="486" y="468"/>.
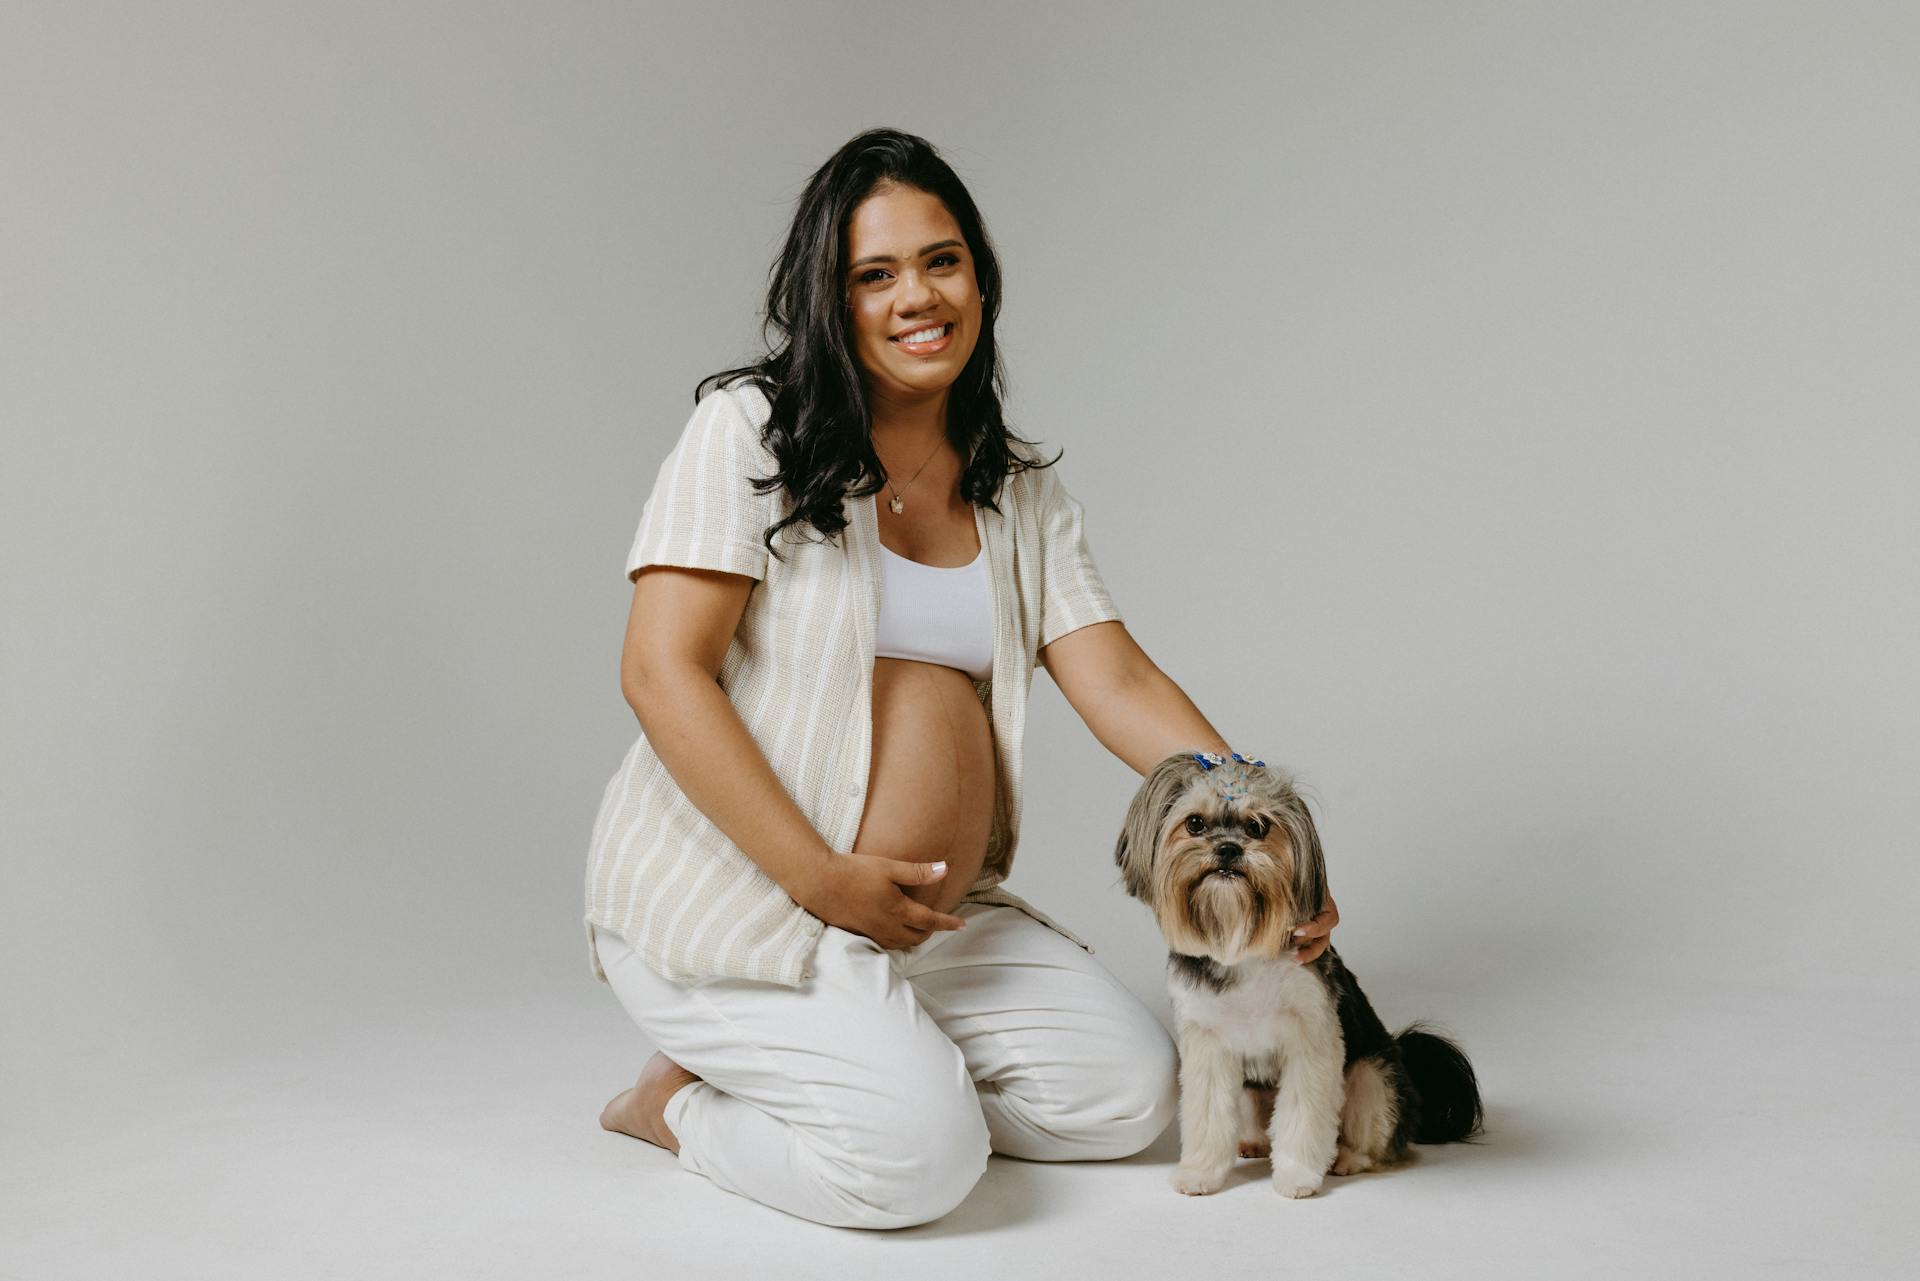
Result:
<point x="1210" y="1086"/>
<point x="1306" y="1116"/>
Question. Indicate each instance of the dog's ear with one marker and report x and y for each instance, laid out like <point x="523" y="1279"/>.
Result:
<point x="1140" y="833"/>
<point x="1309" y="862"/>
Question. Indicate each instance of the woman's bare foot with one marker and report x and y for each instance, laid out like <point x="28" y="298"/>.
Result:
<point x="642" y="1110"/>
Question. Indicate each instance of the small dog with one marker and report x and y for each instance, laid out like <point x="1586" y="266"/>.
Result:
<point x="1225" y="854"/>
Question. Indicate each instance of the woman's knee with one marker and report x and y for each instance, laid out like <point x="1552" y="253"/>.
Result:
<point x="1153" y="1100"/>
<point x="1144" y="1096"/>
<point x="1115" y="1105"/>
<point x="918" y="1160"/>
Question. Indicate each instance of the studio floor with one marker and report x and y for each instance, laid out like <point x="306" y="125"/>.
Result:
<point x="1704" y="1131"/>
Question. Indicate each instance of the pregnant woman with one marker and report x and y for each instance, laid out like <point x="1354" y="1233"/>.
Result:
<point x="843" y="580"/>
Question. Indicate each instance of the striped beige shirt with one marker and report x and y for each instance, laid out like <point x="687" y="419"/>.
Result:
<point x="798" y="670"/>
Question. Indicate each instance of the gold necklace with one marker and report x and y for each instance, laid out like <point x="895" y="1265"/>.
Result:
<point x="896" y="504"/>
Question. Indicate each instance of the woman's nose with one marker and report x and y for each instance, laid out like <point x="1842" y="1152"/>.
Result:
<point x="916" y="291"/>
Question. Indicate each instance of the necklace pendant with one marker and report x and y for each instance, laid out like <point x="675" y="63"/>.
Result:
<point x="896" y="505"/>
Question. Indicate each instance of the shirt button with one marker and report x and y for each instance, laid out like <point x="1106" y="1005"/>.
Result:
<point x="853" y="789"/>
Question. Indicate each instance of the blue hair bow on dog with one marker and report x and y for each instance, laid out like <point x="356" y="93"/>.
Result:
<point x="1210" y="759"/>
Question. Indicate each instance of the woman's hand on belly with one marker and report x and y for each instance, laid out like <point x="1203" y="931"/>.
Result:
<point x="868" y="894"/>
<point x="944" y="894"/>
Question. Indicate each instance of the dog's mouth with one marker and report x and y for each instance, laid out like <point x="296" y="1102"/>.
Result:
<point x="1234" y="872"/>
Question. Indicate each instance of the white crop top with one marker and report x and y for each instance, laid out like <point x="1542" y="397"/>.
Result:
<point x="936" y="613"/>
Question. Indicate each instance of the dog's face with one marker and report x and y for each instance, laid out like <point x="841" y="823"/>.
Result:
<point x="1227" y="857"/>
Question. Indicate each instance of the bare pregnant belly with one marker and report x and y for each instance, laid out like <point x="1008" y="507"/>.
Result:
<point x="930" y="788"/>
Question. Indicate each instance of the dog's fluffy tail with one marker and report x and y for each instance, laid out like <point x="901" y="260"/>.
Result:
<point x="1447" y="1096"/>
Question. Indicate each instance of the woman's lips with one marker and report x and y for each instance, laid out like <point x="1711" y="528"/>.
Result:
<point x="926" y="348"/>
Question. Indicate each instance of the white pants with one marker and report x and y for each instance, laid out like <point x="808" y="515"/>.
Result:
<point x="870" y="1095"/>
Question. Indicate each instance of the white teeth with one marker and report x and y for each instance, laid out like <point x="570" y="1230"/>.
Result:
<point x="924" y="335"/>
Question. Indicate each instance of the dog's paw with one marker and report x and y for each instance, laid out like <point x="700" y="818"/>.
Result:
<point x="1293" y="1180"/>
<point x="1198" y="1180"/>
<point x="1255" y="1147"/>
<point x="1347" y="1161"/>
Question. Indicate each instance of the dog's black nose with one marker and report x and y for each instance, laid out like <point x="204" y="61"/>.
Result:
<point x="1227" y="852"/>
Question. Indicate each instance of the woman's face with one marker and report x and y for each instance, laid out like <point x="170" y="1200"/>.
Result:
<point x="910" y="271"/>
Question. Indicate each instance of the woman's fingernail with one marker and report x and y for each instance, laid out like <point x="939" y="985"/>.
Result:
<point x="939" y="869"/>
<point x="1300" y="932"/>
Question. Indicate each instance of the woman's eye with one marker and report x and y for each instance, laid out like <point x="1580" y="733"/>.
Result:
<point x="1196" y="824"/>
<point x="951" y="259"/>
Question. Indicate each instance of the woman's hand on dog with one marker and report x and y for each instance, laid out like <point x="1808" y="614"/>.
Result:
<point x="1312" y="937"/>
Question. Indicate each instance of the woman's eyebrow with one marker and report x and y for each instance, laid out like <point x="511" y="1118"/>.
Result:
<point x="944" y="244"/>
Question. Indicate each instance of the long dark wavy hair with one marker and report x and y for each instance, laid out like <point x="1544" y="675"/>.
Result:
<point x="821" y="429"/>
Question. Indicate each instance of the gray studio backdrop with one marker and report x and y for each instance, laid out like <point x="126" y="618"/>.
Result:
<point x="1504" y="415"/>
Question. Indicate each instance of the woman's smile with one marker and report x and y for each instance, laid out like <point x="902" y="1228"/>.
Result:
<point x="932" y="339"/>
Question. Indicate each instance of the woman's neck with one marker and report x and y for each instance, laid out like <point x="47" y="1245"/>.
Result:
<point x="921" y="420"/>
<point x="911" y="441"/>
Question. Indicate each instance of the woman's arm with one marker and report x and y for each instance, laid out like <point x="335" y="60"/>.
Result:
<point x="678" y="631"/>
<point x="1132" y="707"/>
<point x="1142" y="717"/>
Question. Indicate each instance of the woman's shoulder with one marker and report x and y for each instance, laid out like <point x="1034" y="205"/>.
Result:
<point x="1036" y="487"/>
<point x="729" y="423"/>
<point x="745" y="399"/>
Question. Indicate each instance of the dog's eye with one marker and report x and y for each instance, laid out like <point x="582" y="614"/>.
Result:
<point x="1195" y="825"/>
<point x="1256" y="827"/>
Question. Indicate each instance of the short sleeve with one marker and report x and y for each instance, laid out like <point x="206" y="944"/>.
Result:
<point x="703" y="512"/>
<point x="1073" y="595"/>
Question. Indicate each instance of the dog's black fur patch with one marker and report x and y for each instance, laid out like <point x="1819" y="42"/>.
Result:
<point x="1438" y="1095"/>
<point x="1202" y="971"/>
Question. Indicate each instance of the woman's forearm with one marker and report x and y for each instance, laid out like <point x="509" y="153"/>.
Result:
<point x="1147" y="718"/>
<point x="695" y="730"/>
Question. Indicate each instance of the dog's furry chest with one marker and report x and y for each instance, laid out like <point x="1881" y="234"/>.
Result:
<point x="1257" y="1009"/>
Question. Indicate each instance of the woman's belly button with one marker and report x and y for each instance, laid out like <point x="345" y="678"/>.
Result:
<point x="930" y="788"/>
